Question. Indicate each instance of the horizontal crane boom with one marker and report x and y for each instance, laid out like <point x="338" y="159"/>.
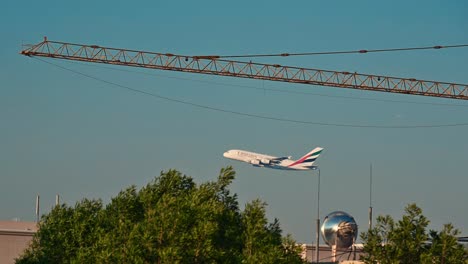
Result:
<point x="272" y="72"/>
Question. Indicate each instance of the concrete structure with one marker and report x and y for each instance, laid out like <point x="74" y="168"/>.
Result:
<point x="15" y="237"/>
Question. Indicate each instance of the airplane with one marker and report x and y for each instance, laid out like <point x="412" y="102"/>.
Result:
<point x="282" y="163"/>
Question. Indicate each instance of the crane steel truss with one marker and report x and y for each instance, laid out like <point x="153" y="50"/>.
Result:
<point x="273" y="72"/>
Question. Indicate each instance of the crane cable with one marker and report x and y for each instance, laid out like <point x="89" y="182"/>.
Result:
<point x="362" y="51"/>
<point x="242" y="113"/>
<point x="267" y="89"/>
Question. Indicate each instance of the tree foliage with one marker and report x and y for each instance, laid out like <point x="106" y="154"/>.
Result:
<point x="170" y="220"/>
<point x="407" y="241"/>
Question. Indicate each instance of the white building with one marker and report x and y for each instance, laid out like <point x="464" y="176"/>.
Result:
<point x="349" y="256"/>
<point x="15" y="237"/>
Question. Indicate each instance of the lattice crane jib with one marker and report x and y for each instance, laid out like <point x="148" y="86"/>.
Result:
<point x="272" y="72"/>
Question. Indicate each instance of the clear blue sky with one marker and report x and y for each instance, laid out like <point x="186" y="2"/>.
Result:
<point x="63" y="133"/>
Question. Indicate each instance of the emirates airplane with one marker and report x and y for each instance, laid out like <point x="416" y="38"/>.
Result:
<point x="281" y="163"/>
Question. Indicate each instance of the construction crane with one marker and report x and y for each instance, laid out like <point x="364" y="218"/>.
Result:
<point x="273" y="72"/>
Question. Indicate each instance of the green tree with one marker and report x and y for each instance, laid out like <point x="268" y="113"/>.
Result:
<point x="407" y="241"/>
<point x="170" y="220"/>
<point x="377" y="242"/>
<point x="67" y="235"/>
<point x="444" y="247"/>
<point x="291" y="251"/>
<point x="120" y="217"/>
<point x="262" y="241"/>
<point x="409" y="235"/>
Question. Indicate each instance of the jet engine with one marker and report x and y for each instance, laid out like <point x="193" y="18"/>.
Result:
<point x="255" y="162"/>
<point x="265" y="161"/>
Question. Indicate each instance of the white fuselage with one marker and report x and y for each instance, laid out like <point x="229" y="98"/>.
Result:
<point x="262" y="160"/>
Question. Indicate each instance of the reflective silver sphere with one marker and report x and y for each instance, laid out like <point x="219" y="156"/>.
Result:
<point x="340" y="229"/>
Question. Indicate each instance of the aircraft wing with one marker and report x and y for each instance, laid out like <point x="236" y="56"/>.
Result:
<point x="279" y="159"/>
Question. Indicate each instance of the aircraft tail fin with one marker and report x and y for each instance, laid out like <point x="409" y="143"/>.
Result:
<point x="308" y="159"/>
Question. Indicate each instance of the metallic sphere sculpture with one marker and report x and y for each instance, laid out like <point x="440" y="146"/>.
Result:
<point x="339" y="229"/>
